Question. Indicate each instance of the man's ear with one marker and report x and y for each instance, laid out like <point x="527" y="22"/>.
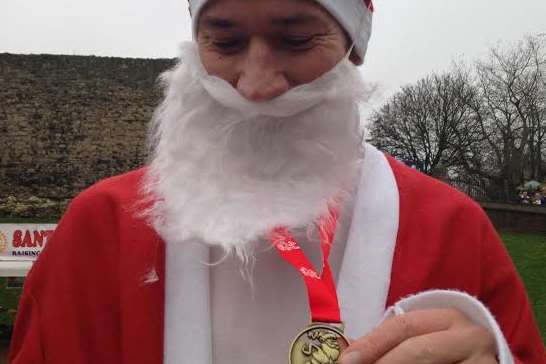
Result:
<point x="355" y="58"/>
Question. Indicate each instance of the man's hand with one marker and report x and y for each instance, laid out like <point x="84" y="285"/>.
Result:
<point x="435" y="336"/>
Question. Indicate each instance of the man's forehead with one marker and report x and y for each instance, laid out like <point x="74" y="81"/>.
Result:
<point x="226" y="19"/>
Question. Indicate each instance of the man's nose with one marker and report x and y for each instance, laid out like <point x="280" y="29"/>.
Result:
<point x="261" y="77"/>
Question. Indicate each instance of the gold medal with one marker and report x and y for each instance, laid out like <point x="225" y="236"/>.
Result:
<point x="319" y="343"/>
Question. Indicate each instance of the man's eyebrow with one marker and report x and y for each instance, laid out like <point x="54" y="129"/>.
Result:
<point x="297" y="19"/>
<point x="218" y="23"/>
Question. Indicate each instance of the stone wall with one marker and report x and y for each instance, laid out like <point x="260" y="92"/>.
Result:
<point x="517" y="218"/>
<point x="67" y="121"/>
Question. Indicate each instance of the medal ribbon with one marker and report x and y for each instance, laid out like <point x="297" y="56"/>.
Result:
<point x="321" y="289"/>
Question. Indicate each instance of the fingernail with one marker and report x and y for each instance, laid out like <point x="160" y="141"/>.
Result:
<point x="352" y="357"/>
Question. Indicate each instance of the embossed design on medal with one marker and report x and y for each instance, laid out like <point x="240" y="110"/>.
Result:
<point x="327" y="352"/>
<point x="318" y="344"/>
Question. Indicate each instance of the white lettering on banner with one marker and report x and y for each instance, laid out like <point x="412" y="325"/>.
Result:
<point x="309" y="273"/>
<point x="23" y="241"/>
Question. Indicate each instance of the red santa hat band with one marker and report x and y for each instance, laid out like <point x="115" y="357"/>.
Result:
<point x="354" y="15"/>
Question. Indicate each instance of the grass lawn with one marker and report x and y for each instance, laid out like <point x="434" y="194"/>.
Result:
<point x="529" y="255"/>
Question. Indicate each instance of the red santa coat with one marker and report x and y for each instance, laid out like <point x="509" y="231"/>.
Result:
<point x="86" y="301"/>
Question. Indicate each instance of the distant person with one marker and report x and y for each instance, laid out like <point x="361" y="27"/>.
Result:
<point x="259" y="174"/>
<point x="524" y="197"/>
<point x="537" y="198"/>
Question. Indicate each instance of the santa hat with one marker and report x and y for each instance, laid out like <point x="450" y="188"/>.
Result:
<point x="355" y="16"/>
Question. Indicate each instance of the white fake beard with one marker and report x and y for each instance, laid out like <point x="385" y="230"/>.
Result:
<point x="226" y="171"/>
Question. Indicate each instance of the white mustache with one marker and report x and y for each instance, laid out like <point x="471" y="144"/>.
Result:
<point x="339" y="83"/>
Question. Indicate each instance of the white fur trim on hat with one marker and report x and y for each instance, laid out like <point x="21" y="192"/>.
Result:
<point x="355" y="16"/>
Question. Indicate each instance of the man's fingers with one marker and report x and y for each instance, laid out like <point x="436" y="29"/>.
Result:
<point x="473" y="345"/>
<point x="396" y="330"/>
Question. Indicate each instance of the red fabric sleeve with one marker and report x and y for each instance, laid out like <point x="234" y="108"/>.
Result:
<point x="84" y="301"/>
<point x="70" y="302"/>
<point x="446" y="241"/>
<point x="26" y="344"/>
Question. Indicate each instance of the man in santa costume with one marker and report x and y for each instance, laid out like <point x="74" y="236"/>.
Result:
<point x="257" y="153"/>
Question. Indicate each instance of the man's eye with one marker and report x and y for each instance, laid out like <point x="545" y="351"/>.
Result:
<point x="298" y="42"/>
<point x="228" y="45"/>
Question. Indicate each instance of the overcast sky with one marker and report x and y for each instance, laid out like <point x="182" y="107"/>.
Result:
<point x="411" y="37"/>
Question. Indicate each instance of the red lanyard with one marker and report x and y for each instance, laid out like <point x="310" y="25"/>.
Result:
<point x="321" y="289"/>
